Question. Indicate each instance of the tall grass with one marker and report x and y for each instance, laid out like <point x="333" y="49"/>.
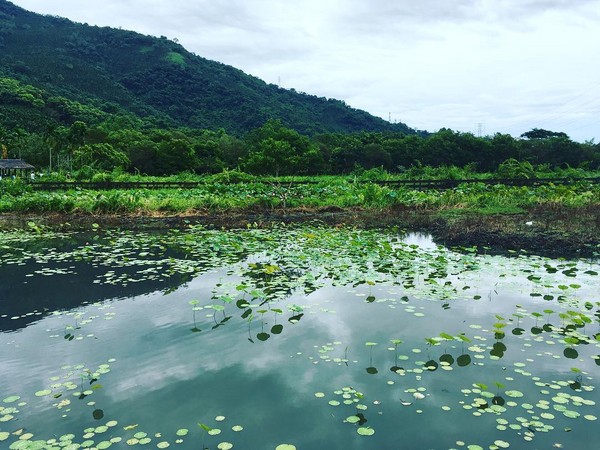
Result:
<point x="512" y="169"/>
<point x="328" y="192"/>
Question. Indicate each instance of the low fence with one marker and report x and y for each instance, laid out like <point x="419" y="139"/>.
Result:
<point x="410" y="184"/>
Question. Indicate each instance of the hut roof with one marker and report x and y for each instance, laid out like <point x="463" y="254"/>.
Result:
<point x="14" y="164"/>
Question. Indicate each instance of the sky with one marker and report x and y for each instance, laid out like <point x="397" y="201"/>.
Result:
<point x="479" y="66"/>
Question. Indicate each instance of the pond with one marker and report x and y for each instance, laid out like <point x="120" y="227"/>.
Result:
<point x="304" y="337"/>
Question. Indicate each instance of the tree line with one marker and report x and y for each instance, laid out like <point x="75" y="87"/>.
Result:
<point x="274" y="149"/>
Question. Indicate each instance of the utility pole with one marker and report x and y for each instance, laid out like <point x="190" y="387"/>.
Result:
<point x="479" y="129"/>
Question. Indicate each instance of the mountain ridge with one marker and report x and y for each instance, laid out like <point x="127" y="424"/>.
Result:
<point x="158" y="80"/>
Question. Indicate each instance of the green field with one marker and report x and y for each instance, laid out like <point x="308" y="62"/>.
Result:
<point x="341" y="192"/>
<point x="552" y="218"/>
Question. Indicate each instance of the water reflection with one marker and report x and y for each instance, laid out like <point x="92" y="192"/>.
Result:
<point x="256" y="340"/>
<point x="26" y="295"/>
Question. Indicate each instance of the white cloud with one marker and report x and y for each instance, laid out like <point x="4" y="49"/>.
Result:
<point x="510" y="64"/>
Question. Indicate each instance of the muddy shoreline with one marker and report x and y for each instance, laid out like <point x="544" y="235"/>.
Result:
<point x="552" y="232"/>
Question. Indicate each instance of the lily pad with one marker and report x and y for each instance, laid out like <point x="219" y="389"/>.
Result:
<point x="365" y="431"/>
<point x="43" y="393"/>
<point x="514" y="394"/>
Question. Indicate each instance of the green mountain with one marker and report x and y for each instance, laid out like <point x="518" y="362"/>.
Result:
<point x="55" y="71"/>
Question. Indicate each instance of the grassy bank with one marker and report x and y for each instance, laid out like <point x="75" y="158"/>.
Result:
<point x="329" y="192"/>
<point x="552" y="219"/>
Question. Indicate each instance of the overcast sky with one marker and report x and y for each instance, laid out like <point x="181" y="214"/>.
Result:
<point x="480" y="66"/>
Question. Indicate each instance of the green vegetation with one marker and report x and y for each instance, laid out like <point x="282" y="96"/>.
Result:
<point x="218" y="193"/>
<point x="362" y="328"/>
<point x="150" y="80"/>
<point x="176" y="58"/>
<point x="274" y="149"/>
<point x="94" y="104"/>
<point x="97" y="104"/>
<point x="80" y="99"/>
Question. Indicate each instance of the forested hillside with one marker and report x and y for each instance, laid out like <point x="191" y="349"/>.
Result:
<point x="81" y="99"/>
<point x="155" y="79"/>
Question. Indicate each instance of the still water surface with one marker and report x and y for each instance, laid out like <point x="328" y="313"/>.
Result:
<point x="124" y="340"/>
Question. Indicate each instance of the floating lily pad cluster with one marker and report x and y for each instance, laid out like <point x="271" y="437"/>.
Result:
<point x="519" y="333"/>
<point x="354" y="401"/>
<point x="109" y="435"/>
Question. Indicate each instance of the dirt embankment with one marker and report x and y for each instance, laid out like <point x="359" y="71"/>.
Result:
<point x="547" y="231"/>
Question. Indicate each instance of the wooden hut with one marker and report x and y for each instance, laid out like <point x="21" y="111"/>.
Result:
<point x="15" y="167"/>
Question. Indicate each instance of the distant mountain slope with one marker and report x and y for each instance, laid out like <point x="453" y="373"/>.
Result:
<point x="156" y="79"/>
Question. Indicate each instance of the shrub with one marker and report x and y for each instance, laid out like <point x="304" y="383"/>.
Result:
<point x="115" y="201"/>
<point x="101" y="177"/>
<point x="374" y="174"/>
<point x="13" y="187"/>
<point x="231" y="176"/>
<point x="44" y="202"/>
<point x="84" y="174"/>
<point x="511" y="168"/>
